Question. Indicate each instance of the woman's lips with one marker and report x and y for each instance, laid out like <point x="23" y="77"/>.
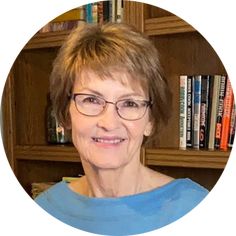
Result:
<point x="108" y="140"/>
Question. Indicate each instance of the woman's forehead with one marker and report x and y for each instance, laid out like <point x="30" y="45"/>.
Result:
<point x="86" y="77"/>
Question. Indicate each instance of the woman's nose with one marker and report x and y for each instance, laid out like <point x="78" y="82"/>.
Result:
<point x="109" y="119"/>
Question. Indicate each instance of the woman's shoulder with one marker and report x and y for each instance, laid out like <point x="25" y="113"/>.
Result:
<point x="187" y="188"/>
<point x="180" y="186"/>
<point x="182" y="194"/>
<point x="52" y="194"/>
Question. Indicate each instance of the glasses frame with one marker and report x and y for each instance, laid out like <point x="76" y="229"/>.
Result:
<point x="74" y="95"/>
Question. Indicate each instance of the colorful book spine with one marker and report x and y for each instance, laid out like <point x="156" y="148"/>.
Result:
<point x="228" y="103"/>
<point x="197" y="108"/>
<point x="182" y="111"/>
<point x="74" y="14"/>
<point x="205" y="88"/>
<point x="213" y="111"/>
<point x="220" y="109"/>
<point x="89" y="15"/>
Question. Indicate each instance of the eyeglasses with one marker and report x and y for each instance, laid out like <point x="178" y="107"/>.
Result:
<point x="128" y="109"/>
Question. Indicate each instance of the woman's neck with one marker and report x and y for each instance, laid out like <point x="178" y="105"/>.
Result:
<point x="109" y="183"/>
<point x="113" y="182"/>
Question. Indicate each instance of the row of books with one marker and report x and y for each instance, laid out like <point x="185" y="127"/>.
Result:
<point x="98" y="12"/>
<point x="207" y="112"/>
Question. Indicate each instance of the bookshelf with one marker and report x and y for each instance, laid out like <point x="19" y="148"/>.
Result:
<point x="183" y="51"/>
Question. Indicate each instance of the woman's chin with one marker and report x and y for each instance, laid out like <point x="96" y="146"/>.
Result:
<point x="107" y="161"/>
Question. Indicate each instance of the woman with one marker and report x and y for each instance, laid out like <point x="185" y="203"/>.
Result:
<point x="108" y="88"/>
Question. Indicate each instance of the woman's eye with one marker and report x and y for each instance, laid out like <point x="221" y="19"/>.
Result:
<point x="130" y="103"/>
<point x="92" y="100"/>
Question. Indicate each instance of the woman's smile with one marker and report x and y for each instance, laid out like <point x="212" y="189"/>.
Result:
<point x="108" y="141"/>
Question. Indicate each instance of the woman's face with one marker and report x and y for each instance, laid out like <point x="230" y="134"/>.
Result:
<point x="107" y="140"/>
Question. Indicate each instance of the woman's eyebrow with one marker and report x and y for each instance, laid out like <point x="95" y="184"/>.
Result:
<point x="126" y="95"/>
<point x="92" y="91"/>
<point x="134" y="94"/>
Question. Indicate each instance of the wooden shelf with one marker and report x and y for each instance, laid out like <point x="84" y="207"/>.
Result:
<point x="166" y="25"/>
<point x="152" y="26"/>
<point x="47" y="153"/>
<point x="187" y="158"/>
<point x="47" y="40"/>
<point x="158" y="157"/>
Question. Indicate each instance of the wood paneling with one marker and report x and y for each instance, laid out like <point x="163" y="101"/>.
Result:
<point x="205" y="177"/>
<point x="32" y="70"/>
<point x="134" y="14"/>
<point x="8" y="120"/>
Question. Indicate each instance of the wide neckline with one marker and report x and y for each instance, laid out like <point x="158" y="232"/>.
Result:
<point x="142" y="195"/>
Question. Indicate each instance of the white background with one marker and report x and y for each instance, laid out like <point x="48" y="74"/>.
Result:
<point x="20" y="20"/>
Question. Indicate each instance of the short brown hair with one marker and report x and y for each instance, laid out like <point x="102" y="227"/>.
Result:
<point x="101" y="48"/>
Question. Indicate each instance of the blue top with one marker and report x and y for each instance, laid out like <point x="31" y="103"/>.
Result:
<point x="127" y="215"/>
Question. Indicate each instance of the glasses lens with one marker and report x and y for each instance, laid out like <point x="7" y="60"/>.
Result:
<point x="131" y="109"/>
<point x="89" y="105"/>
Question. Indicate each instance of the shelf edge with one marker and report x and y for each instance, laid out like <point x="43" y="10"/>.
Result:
<point x="47" y="153"/>
<point x="166" y="25"/>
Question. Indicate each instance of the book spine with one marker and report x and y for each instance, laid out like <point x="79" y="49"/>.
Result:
<point x="100" y="13"/>
<point x="197" y="107"/>
<point x="220" y="110"/>
<point x="105" y="11"/>
<point x="232" y="126"/>
<point x="189" y="112"/>
<point x="182" y="111"/>
<point x="204" y="111"/>
<point x="88" y="9"/>
<point x="119" y="15"/>
<point x="95" y="12"/>
<point x="74" y="14"/>
<point x="213" y="111"/>
<point x="112" y="14"/>
<point x="210" y="97"/>
<point x="228" y="103"/>
<point x="82" y="13"/>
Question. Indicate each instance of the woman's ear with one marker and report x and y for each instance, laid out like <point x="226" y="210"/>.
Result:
<point x="67" y="125"/>
<point x="148" y="129"/>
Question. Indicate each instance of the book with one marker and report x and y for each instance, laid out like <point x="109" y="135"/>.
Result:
<point x="74" y="14"/>
<point x="100" y="12"/>
<point x="112" y="10"/>
<point x="182" y="111"/>
<point x="66" y="21"/>
<point x="106" y="11"/>
<point x="232" y="126"/>
<point x="220" y="109"/>
<point x="189" y="128"/>
<point x="94" y="12"/>
<point x="204" y="107"/>
<point x="119" y="11"/>
<point x="89" y="15"/>
<point x="210" y="96"/>
<point x="197" y="108"/>
<point x="213" y="110"/>
<point x="228" y="103"/>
